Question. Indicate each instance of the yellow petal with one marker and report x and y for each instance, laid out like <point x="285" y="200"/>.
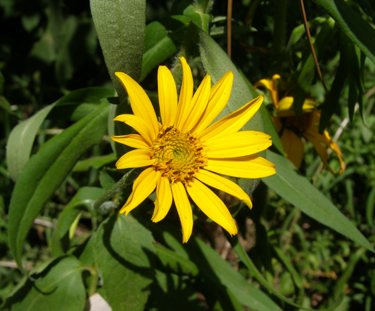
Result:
<point x="135" y="158"/>
<point x="286" y="108"/>
<point x="293" y="147"/>
<point x="143" y="186"/>
<point x="197" y="105"/>
<point x="184" y="210"/>
<point x="186" y="92"/>
<point x="212" y="206"/>
<point x="219" y="97"/>
<point x="272" y="87"/>
<point x="167" y="96"/>
<point x="233" y="122"/>
<point x="141" y="104"/>
<point x="251" y="166"/>
<point x="318" y="140"/>
<point x="140" y="125"/>
<point x="224" y="184"/>
<point x="131" y="140"/>
<point x="163" y="199"/>
<point x="237" y="144"/>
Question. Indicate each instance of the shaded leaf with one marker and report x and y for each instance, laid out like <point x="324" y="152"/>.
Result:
<point x="352" y="24"/>
<point x="124" y="254"/>
<point x="57" y="286"/>
<point x="297" y="190"/>
<point x="46" y="170"/>
<point x="307" y="74"/>
<point x="73" y="106"/>
<point x="215" y="271"/>
<point x="83" y="199"/>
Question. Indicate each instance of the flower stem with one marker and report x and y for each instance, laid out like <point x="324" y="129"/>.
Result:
<point x="102" y="204"/>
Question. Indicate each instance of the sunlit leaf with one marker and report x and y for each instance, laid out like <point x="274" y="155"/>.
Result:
<point x="120" y="26"/>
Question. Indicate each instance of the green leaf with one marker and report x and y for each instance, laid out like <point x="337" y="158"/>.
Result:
<point x="78" y="104"/>
<point x="347" y="273"/>
<point x="120" y="26"/>
<point x="73" y="106"/>
<point x="200" y="19"/>
<point x="352" y="24"/>
<point x="46" y="170"/>
<point x="95" y="162"/>
<point x="124" y="254"/>
<point x="169" y="290"/>
<point x="172" y="261"/>
<point x="161" y="42"/>
<point x="307" y="74"/>
<point x="216" y="272"/>
<point x="4" y="104"/>
<point x="21" y="140"/>
<point x="83" y="199"/>
<point x="239" y="250"/>
<point x="216" y="64"/>
<point x="297" y="190"/>
<point x="58" y="286"/>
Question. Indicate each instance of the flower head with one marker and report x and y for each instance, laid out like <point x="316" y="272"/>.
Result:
<point x="291" y="127"/>
<point x="183" y="152"/>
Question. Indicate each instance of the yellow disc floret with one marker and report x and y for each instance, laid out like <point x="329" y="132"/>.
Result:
<point x="178" y="155"/>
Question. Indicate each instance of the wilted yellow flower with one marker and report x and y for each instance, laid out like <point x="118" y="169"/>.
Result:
<point x="183" y="153"/>
<point x="289" y="126"/>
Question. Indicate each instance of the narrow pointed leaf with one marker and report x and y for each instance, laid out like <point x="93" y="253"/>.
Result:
<point x="297" y="190"/>
<point x="352" y="24"/>
<point x="46" y="170"/>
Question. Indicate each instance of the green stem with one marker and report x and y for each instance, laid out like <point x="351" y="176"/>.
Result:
<point x="102" y="204"/>
<point x="94" y="279"/>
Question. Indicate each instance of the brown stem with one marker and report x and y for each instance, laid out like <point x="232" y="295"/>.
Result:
<point x="311" y="44"/>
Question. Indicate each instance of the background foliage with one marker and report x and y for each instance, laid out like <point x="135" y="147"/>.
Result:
<point x="308" y="242"/>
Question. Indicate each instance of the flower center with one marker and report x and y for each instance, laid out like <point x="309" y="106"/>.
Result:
<point x="178" y="155"/>
<point x="299" y="123"/>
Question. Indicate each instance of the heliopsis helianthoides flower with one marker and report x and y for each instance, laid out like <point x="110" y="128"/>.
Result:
<point x="291" y="127"/>
<point x="182" y="153"/>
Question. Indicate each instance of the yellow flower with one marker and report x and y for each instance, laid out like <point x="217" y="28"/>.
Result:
<point x="288" y="125"/>
<point x="183" y="153"/>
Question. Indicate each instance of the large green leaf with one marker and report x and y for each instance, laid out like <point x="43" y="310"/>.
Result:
<point x="161" y="41"/>
<point x="56" y="286"/>
<point x="124" y="254"/>
<point x="73" y="106"/>
<point x="217" y="63"/>
<point x="297" y="190"/>
<point x="217" y="274"/>
<point x="352" y="24"/>
<point x="120" y="26"/>
<point x="46" y="170"/>
<point x="82" y="200"/>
